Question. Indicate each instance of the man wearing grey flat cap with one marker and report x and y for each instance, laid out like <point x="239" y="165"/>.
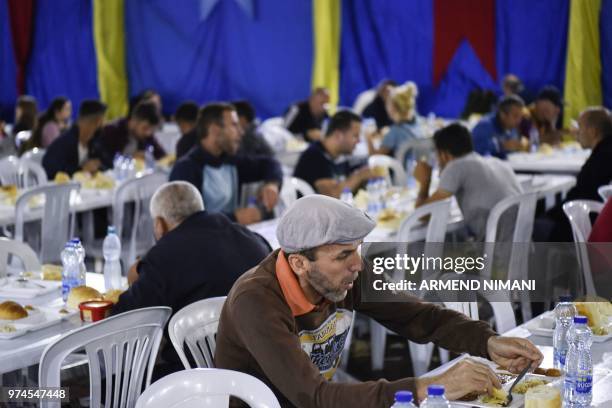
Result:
<point x="286" y="320"/>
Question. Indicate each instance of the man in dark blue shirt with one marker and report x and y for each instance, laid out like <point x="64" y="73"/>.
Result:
<point x="497" y="134"/>
<point x="323" y="166"/>
<point x="77" y="148"/>
<point x="216" y="170"/>
<point x="198" y="255"/>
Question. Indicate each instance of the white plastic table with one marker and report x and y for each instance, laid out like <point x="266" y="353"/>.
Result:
<point x="559" y="161"/>
<point x="26" y="350"/>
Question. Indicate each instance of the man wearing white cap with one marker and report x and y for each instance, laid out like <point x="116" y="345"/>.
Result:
<point x="286" y="320"/>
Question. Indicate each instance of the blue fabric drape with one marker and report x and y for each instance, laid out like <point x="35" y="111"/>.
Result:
<point x="394" y="39"/>
<point x="62" y="60"/>
<point x="266" y="59"/>
<point x="605" y="24"/>
<point x="8" y="81"/>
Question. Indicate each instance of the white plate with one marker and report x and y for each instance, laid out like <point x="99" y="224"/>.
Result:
<point x="535" y="327"/>
<point x="10" y="289"/>
<point x="43" y="317"/>
<point x="517" y="399"/>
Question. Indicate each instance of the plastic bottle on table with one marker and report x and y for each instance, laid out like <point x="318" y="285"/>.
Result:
<point x="347" y="196"/>
<point x="564" y="316"/>
<point x="578" y="386"/>
<point x="80" y="251"/>
<point x="117" y="163"/>
<point x="70" y="269"/>
<point x="403" y="399"/>
<point x="534" y="139"/>
<point x="149" y="158"/>
<point x="111" y="249"/>
<point x="373" y="198"/>
<point x="435" y="398"/>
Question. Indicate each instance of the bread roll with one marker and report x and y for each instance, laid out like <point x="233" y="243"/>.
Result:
<point x="113" y="295"/>
<point x="12" y="311"/>
<point x="51" y="272"/>
<point x="591" y="311"/>
<point x="82" y="294"/>
<point x="61" y="178"/>
<point x="543" y="397"/>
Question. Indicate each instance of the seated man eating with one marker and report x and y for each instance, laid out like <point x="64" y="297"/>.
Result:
<point x="286" y="320"/>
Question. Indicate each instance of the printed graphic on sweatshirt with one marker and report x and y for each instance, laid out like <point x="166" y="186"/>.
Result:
<point x="324" y="344"/>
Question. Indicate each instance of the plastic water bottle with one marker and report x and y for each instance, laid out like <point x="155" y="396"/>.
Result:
<point x="80" y="251"/>
<point x="435" y="398"/>
<point x="347" y="196"/>
<point x="578" y="386"/>
<point x="149" y="158"/>
<point x="117" y="163"/>
<point x="70" y="269"/>
<point x="373" y="198"/>
<point x="403" y="399"/>
<point x="534" y="139"/>
<point x="564" y="316"/>
<point x="111" y="249"/>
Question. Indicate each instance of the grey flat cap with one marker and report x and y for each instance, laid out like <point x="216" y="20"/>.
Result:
<point x="316" y="220"/>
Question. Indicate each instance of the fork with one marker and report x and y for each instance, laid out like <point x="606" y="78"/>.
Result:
<point x="519" y="378"/>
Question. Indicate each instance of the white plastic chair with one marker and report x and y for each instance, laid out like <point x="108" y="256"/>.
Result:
<point x="274" y="132"/>
<point x="22" y="251"/>
<point x="438" y="213"/>
<point x="578" y="213"/>
<point x="119" y="348"/>
<point x="605" y="192"/>
<point x="363" y="100"/>
<point x="36" y="155"/>
<point x="525" y="206"/>
<point x="23" y="173"/>
<point x="207" y="387"/>
<point x="57" y="221"/>
<point x="196" y="326"/>
<point x="399" y="174"/>
<point x="139" y="192"/>
<point x="292" y="186"/>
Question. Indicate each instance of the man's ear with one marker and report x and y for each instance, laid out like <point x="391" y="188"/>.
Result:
<point x="299" y="264"/>
<point x="160" y="227"/>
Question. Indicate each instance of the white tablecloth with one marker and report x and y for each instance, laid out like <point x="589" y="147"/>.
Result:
<point x="560" y="161"/>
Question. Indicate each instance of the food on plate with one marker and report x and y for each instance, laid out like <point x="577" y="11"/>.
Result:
<point x="388" y="214"/>
<point x="527" y="384"/>
<point x="549" y="372"/>
<point x="10" y="310"/>
<point x="113" y="295"/>
<point x="543" y="397"/>
<point x="545" y="148"/>
<point x="497" y="396"/>
<point x="81" y="176"/>
<point x="380" y="171"/>
<point x="51" y="272"/>
<point x="600" y="331"/>
<point x="98" y="181"/>
<point x="7" y="328"/>
<point x="8" y="194"/>
<point x="598" y="311"/>
<point x="63" y="311"/>
<point x="95" y="310"/>
<point x="82" y="294"/>
<point x="167" y="161"/>
<point x="29" y="308"/>
<point x="61" y="178"/>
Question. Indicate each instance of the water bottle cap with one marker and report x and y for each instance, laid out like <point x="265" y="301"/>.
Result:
<point x="346" y="190"/>
<point x="111" y="229"/>
<point x="435" y="390"/>
<point x="403" y="396"/>
<point x="580" y="319"/>
<point x="565" y="298"/>
<point x="75" y="240"/>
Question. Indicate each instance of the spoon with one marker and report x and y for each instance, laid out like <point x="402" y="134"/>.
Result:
<point x="519" y="378"/>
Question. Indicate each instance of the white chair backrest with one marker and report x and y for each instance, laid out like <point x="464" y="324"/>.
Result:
<point x="23" y="173"/>
<point x="502" y="312"/>
<point x="363" y="100"/>
<point x="438" y="213"/>
<point x="196" y="326"/>
<point x="119" y="348"/>
<point x="523" y="228"/>
<point x="207" y="387"/>
<point x="20" y="250"/>
<point x="579" y="214"/>
<point x="275" y="133"/>
<point x="57" y="222"/>
<point x="605" y="192"/>
<point x="399" y="174"/>
<point x="138" y="191"/>
<point x="289" y="192"/>
<point x="35" y="155"/>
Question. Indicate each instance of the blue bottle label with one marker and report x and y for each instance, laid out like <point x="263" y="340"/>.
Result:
<point x="559" y="356"/>
<point x="584" y="384"/>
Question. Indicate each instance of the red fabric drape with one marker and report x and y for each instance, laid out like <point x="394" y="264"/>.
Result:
<point x="454" y="21"/>
<point x="21" y="13"/>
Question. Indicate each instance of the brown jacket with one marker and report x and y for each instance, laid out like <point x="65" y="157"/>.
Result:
<point x="269" y="330"/>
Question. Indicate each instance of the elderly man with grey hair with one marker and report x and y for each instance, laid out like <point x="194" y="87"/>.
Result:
<point x="286" y="321"/>
<point x="198" y="255"/>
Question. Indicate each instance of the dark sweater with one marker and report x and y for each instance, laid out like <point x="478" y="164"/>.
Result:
<point x="116" y="136"/>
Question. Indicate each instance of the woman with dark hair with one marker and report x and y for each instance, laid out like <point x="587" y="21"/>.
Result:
<point x="26" y="111"/>
<point x="50" y="124"/>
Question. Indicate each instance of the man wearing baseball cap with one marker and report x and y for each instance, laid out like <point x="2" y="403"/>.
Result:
<point x="286" y="320"/>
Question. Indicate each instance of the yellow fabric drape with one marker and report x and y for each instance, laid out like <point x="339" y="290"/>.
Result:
<point x="109" y="38"/>
<point x="583" y="68"/>
<point x="326" y="27"/>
